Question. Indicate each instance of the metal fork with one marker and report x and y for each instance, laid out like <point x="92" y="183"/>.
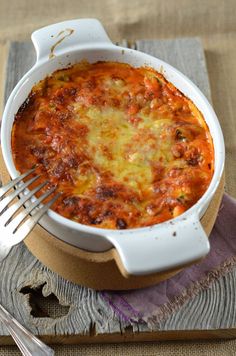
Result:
<point x="14" y="228"/>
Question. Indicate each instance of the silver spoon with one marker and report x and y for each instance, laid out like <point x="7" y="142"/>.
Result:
<point x="28" y="344"/>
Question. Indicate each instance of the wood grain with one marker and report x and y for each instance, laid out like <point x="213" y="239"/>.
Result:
<point x="211" y="314"/>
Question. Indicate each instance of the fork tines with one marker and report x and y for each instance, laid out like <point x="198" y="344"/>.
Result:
<point x="8" y="219"/>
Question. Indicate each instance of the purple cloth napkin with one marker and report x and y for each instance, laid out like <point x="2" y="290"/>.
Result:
<point x="156" y="303"/>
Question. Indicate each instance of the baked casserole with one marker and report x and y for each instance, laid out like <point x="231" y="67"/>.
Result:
<point x="124" y="147"/>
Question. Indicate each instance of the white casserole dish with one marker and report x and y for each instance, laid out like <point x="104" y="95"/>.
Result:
<point x="142" y="251"/>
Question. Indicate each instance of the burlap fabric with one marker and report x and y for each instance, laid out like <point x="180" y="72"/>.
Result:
<point x="206" y="348"/>
<point x="214" y="21"/>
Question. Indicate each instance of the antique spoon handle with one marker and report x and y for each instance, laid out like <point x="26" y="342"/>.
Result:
<point x="28" y="344"/>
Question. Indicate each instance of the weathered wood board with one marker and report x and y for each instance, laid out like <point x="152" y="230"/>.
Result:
<point x="81" y="314"/>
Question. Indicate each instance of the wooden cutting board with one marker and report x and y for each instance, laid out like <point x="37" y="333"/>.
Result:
<point x="28" y="288"/>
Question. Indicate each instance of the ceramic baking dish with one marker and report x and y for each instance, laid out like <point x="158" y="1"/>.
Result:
<point x="157" y="248"/>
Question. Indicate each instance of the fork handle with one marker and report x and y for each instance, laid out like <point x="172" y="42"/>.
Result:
<point x="28" y="344"/>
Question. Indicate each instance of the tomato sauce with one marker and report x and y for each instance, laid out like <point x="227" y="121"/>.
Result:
<point x="124" y="147"/>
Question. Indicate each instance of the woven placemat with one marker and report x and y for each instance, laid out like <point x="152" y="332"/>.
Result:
<point x="217" y="28"/>
<point x="206" y="348"/>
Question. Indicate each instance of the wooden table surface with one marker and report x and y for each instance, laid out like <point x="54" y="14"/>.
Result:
<point x="214" y="22"/>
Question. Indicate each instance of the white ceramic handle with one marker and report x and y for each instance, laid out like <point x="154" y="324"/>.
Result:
<point x="173" y="244"/>
<point x="64" y="36"/>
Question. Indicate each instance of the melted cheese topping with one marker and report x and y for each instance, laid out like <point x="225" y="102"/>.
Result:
<point x="123" y="145"/>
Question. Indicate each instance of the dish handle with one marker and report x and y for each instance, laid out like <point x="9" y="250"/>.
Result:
<point x="163" y="247"/>
<point x="64" y="36"/>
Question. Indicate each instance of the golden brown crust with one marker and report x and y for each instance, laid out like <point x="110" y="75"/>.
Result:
<point x="126" y="148"/>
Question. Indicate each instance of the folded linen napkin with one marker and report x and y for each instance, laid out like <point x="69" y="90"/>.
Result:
<point x="153" y="304"/>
